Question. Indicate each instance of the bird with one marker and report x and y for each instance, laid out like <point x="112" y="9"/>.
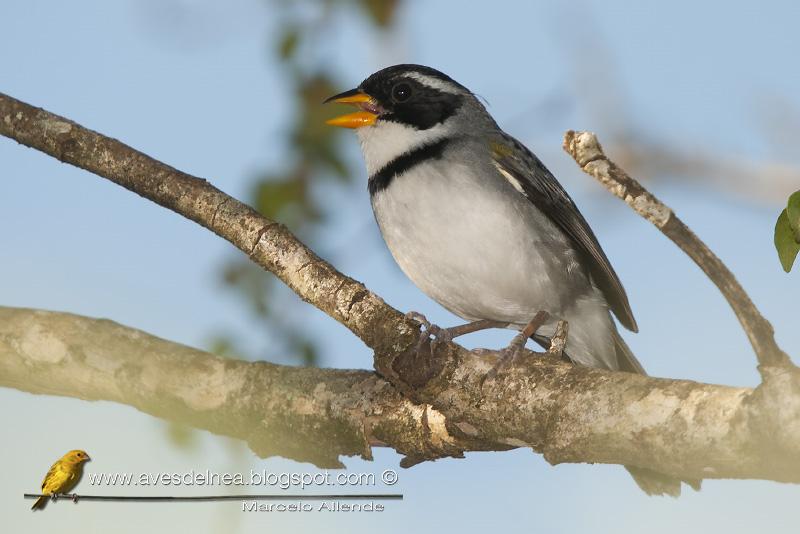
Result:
<point x="480" y="225"/>
<point x="62" y="477"/>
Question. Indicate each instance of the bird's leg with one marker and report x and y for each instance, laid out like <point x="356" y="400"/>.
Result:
<point x="474" y="326"/>
<point x="448" y="334"/>
<point x="74" y="498"/>
<point x="54" y="497"/>
<point x="510" y="353"/>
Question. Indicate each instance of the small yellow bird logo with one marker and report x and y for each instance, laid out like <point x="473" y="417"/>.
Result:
<point x="62" y="476"/>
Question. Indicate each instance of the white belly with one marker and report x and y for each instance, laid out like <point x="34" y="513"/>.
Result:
<point x="483" y="251"/>
<point x="479" y="251"/>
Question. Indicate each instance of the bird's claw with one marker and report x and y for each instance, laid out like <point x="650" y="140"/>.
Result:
<point x="509" y="355"/>
<point x="74" y="498"/>
<point x="418" y="317"/>
<point x="429" y="330"/>
<point x="439" y="335"/>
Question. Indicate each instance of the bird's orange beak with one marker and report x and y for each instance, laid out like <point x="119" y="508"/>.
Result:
<point x="366" y="117"/>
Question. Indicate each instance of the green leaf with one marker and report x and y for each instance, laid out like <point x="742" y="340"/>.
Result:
<point x="786" y="243"/>
<point x="793" y="213"/>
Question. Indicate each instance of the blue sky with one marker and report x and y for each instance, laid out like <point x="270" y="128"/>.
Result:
<point x="192" y="84"/>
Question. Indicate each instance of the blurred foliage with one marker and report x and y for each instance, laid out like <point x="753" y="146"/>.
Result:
<point x="381" y="11"/>
<point x="286" y="194"/>
<point x="787" y="232"/>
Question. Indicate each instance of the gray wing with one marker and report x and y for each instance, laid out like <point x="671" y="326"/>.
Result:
<point x="543" y="190"/>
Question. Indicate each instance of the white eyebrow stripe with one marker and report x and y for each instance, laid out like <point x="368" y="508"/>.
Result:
<point x="435" y="83"/>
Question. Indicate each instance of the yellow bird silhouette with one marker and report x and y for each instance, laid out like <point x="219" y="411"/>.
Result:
<point x="62" y="477"/>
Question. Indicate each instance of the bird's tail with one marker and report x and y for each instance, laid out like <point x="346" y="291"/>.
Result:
<point x="651" y="482"/>
<point x="625" y="358"/>
<point x="40" y="503"/>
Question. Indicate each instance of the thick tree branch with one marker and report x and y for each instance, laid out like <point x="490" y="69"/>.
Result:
<point x="568" y="413"/>
<point x="315" y="415"/>
<point x="303" y="413"/>
<point x="585" y="149"/>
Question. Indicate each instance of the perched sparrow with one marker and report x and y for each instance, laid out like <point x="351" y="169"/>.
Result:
<point x="62" y="477"/>
<point x="481" y="226"/>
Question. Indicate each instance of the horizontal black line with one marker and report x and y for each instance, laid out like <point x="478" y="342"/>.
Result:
<point x="167" y="498"/>
<point x="405" y="162"/>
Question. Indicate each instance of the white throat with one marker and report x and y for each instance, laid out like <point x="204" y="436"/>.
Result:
<point x="384" y="141"/>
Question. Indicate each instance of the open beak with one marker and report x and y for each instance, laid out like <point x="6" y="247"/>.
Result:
<point x="366" y="117"/>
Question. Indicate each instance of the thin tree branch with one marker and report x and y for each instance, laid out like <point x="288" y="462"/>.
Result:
<point x="588" y="154"/>
<point x="266" y="242"/>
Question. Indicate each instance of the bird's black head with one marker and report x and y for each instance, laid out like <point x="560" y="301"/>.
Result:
<point x="414" y="95"/>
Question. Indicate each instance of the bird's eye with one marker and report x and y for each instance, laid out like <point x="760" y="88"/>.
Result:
<point x="401" y="92"/>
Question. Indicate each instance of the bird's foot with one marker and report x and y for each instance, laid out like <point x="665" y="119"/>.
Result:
<point x="443" y="335"/>
<point x="74" y="498"/>
<point x="510" y="354"/>
<point x="428" y="329"/>
<point x="54" y="497"/>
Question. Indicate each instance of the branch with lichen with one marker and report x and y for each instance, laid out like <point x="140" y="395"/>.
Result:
<point x="303" y="413"/>
<point x="567" y="413"/>
<point x="425" y="403"/>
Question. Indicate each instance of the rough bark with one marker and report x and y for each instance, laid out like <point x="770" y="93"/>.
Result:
<point x="568" y="413"/>
<point x="303" y="413"/>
